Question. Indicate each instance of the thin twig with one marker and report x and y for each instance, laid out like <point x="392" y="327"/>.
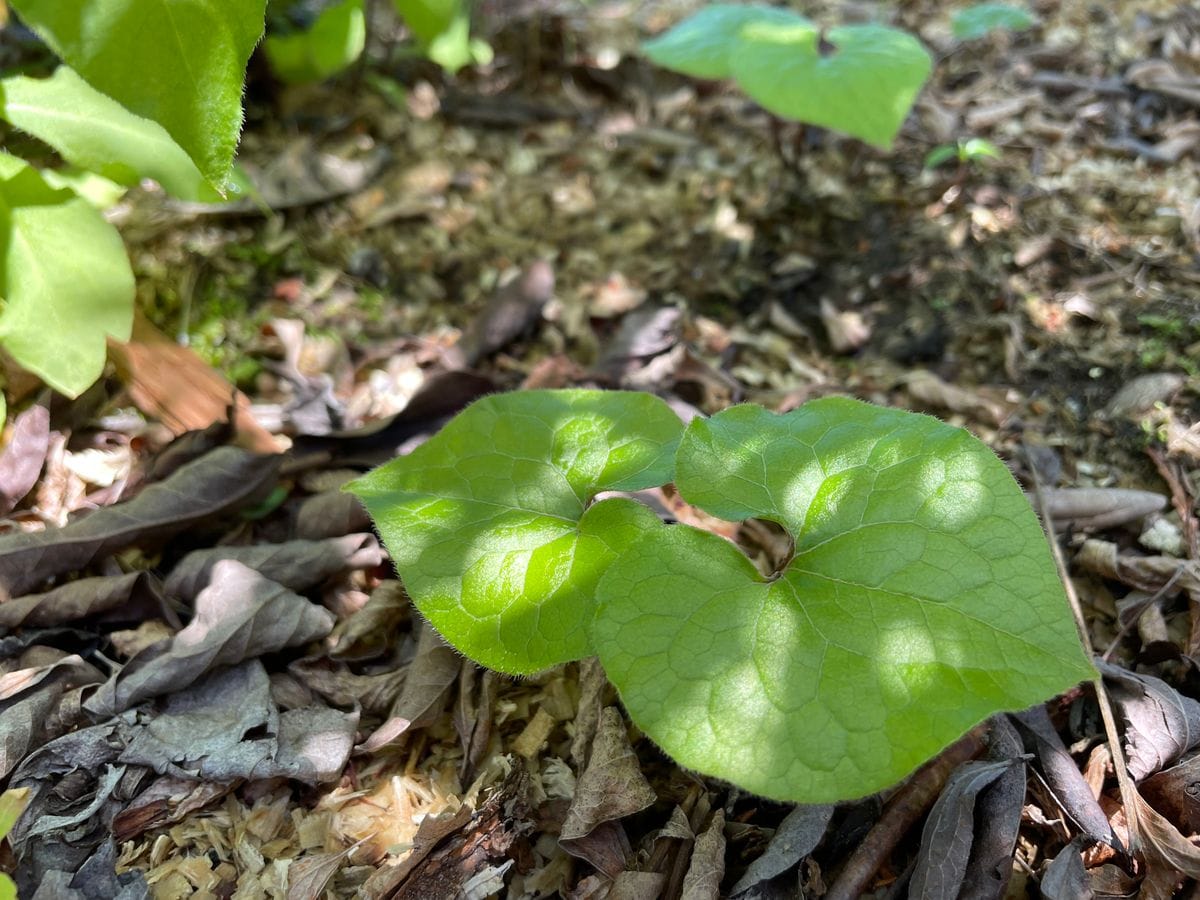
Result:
<point x="1124" y="782"/>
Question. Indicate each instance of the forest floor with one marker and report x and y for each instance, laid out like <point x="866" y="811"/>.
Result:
<point x="573" y="216"/>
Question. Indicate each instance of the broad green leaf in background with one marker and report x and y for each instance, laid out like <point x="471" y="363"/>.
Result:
<point x="983" y="18"/>
<point x="862" y="81"/>
<point x="65" y="280"/>
<point x="703" y="45"/>
<point x="858" y="79"/>
<point x="335" y="40"/>
<point x="180" y="63"/>
<point x="920" y="599"/>
<point x="94" y="132"/>
<point x="491" y="523"/>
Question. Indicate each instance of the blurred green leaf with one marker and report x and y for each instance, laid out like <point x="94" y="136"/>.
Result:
<point x="180" y="63"/>
<point x="65" y="278"/>
<point x="335" y="40"/>
<point x="94" y="132"/>
<point x="982" y="19"/>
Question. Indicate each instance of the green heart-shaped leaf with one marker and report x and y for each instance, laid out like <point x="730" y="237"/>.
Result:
<point x="489" y="522"/>
<point x="703" y="45"/>
<point x="860" y="79"/>
<point x="920" y="599"/>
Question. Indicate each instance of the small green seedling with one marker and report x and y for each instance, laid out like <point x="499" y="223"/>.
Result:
<point x="982" y="19"/>
<point x="973" y="150"/>
<point x="919" y="598"/>
<point x="857" y="79"/>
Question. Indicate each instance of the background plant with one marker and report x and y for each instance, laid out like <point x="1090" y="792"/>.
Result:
<point x="162" y="100"/>
<point x="858" y="79"/>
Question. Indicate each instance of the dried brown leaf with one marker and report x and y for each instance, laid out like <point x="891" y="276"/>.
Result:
<point x="218" y="483"/>
<point x="296" y="565"/>
<point x="240" y="615"/>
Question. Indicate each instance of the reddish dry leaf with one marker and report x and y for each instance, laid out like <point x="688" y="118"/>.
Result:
<point x="296" y="565"/>
<point x="1168" y="853"/>
<point x="240" y="615"/>
<point x="214" y="485"/>
<point x="173" y="385"/>
<point x="23" y="456"/>
<point x="1173" y="793"/>
<point x="167" y="801"/>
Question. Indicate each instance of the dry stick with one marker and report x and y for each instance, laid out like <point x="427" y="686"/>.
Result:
<point x="903" y="811"/>
<point x="1124" y="782"/>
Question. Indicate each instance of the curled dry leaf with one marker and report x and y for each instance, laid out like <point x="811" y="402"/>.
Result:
<point x="707" y="867"/>
<point x="296" y="565"/>
<point x="1062" y="776"/>
<point x="950" y="830"/>
<point x="426" y="688"/>
<point x="1096" y="508"/>
<point x="240" y="615"/>
<point x="610" y="788"/>
<point x="1147" y="573"/>
<point x="1160" y="723"/>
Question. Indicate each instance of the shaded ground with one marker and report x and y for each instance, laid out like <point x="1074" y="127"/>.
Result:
<point x="1049" y="301"/>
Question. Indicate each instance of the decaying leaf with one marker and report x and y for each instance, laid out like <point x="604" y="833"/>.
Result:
<point x="707" y="867"/>
<point x="610" y="788"/>
<point x="139" y="593"/>
<point x="950" y="830"/>
<point x="1062" y="775"/>
<point x="296" y="565"/>
<point x="426" y="689"/>
<point x="797" y="836"/>
<point x="22" y="458"/>
<point x="1096" y="508"/>
<point x="1160" y="723"/>
<point x="225" y="727"/>
<point x="29" y="705"/>
<point x="240" y="615"/>
<point x="215" y="484"/>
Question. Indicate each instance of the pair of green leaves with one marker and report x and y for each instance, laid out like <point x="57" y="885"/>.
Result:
<point x="441" y="28"/>
<point x="920" y="597"/>
<point x="858" y="79"/>
<point x="148" y="89"/>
